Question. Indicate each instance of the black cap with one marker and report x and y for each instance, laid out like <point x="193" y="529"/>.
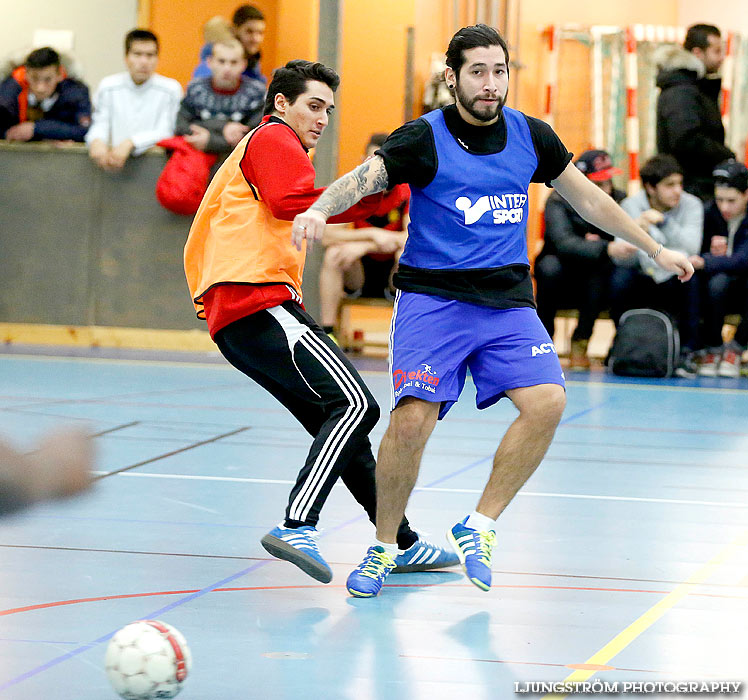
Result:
<point x="731" y="173"/>
<point x="596" y="165"/>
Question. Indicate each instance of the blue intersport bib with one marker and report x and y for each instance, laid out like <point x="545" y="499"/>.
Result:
<point x="473" y="214"/>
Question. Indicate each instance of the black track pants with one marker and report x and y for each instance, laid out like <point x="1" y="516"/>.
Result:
<point x="286" y="352"/>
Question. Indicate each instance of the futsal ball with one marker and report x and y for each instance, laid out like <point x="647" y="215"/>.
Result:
<point x="146" y="660"/>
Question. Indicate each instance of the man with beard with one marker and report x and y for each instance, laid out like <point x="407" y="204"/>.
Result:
<point x="689" y="123"/>
<point x="464" y="297"/>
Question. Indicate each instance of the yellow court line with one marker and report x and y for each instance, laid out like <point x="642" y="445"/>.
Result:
<point x="645" y="621"/>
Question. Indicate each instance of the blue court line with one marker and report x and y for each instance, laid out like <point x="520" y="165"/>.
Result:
<point x="155" y="614"/>
<point x="583" y="413"/>
<point x="38" y="641"/>
<point x="182" y="601"/>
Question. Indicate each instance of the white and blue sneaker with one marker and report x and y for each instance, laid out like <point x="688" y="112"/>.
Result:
<point x="366" y="580"/>
<point x="299" y="546"/>
<point x="424" y="556"/>
<point x="473" y="547"/>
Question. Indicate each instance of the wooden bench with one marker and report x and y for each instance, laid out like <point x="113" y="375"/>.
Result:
<point x="604" y="332"/>
<point x="363" y="325"/>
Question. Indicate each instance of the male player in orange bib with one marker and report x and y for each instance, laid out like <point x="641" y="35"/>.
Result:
<point x="245" y="276"/>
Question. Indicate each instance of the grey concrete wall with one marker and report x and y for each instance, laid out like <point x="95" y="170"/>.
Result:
<point x="84" y="247"/>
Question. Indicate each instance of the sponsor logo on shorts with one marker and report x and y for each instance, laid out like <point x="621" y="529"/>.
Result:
<point x="543" y="349"/>
<point x="507" y="208"/>
<point x="424" y="378"/>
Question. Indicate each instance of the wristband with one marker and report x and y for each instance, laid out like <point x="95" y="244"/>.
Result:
<point x="652" y="256"/>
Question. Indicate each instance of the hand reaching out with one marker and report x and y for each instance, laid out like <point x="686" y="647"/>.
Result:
<point x="59" y="467"/>
<point x="310" y="226"/>
<point x="672" y="261"/>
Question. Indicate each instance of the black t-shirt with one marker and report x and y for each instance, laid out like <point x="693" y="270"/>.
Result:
<point x="409" y="155"/>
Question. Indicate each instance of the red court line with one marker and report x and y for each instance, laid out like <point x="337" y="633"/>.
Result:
<point x="502" y="572"/>
<point x="77" y="601"/>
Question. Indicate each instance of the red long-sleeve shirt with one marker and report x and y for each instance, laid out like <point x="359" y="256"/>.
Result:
<point x="277" y="165"/>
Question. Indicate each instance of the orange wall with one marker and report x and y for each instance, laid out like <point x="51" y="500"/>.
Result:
<point x="432" y="32"/>
<point x="373" y="52"/>
<point x="298" y="28"/>
<point x="373" y="64"/>
<point x="372" y="68"/>
<point x="291" y="31"/>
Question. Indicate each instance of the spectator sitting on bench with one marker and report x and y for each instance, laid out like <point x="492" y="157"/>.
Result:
<point x="218" y="111"/>
<point x="133" y="110"/>
<point x="675" y="219"/>
<point x="38" y="101"/>
<point x="360" y="261"/>
<point x="722" y="269"/>
<point x="573" y="269"/>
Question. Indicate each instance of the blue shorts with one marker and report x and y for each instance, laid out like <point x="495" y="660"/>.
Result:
<point x="434" y="341"/>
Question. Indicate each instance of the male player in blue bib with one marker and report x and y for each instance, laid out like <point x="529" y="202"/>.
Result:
<point x="465" y="297"/>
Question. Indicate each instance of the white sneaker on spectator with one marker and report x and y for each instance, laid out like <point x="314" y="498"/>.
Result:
<point x="688" y="367"/>
<point x="730" y="364"/>
<point x="709" y="364"/>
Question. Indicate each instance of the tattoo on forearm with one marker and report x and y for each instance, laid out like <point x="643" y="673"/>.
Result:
<point x="367" y="178"/>
<point x="380" y="178"/>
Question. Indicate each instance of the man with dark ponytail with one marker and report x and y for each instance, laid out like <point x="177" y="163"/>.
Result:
<point x="465" y="299"/>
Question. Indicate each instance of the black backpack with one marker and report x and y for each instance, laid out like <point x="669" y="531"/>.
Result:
<point x="647" y="344"/>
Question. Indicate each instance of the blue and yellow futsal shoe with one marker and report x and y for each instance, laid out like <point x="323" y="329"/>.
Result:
<point x="424" y="556"/>
<point x="299" y="546"/>
<point x="473" y="547"/>
<point x="366" y="580"/>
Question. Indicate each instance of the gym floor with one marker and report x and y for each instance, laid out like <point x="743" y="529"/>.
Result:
<point x="624" y="558"/>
